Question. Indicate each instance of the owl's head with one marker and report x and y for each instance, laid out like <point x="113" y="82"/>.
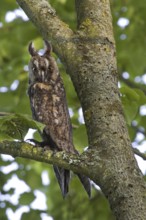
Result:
<point x="39" y="65"/>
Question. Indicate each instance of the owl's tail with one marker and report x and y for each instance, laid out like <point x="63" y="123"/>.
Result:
<point x="63" y="177"/>
<point x="86" y="183"/>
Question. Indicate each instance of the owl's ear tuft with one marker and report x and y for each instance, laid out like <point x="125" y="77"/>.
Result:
<point x="48" y="48"/>
<point x="32" y="50"/>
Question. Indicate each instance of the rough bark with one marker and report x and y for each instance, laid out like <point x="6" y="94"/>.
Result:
<point x="121" y="180"/>
<point x="89" y="57"/>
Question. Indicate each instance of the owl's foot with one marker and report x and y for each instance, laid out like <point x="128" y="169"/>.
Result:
<point x="42" y="144"/>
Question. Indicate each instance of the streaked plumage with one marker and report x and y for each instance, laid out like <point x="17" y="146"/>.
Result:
<point x="48" y="104"/>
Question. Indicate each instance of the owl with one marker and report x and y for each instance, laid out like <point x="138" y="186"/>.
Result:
<point x="49" y="106"/>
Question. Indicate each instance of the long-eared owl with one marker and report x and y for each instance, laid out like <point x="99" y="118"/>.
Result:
<point x="49" y="106"/>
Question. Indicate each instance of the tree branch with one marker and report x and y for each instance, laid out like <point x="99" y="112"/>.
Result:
<point x="74" y="162"/>
<point x="51" y="27"/>
<point x="89" y="18"/>
<point x="137" y="152"/>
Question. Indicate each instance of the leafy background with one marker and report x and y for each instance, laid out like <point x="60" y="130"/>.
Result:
<point x="29" y="189"/>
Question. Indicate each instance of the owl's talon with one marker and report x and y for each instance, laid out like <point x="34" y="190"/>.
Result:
<point x="37" y="143"/>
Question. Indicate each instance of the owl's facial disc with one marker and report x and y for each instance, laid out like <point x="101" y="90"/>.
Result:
<point x="39" y="69"/>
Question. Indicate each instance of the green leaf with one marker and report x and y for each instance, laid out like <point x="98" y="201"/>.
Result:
<point x="132" y="132"/>
<point x="130" y="100"/>
<point x="26" y="198"/>
<point x="142" y="121"/>
<point x="129" y="93"/>
<point x="142" y="96"/>
<point x="15" y="126"/>
<point x="32" y="214"/>
<point x="4" y="136"/>
<point x="130" y="109"/>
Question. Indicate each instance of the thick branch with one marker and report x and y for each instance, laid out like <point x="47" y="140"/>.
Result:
<point x="74" y="162"/>
<point x="95" y="18"/>
<point x="51" y="27"/>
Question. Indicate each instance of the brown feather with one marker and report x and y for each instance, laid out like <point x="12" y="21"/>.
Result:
<point x="49" y="106"/>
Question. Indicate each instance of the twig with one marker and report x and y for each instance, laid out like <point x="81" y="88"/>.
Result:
<point x="137" y="152"/>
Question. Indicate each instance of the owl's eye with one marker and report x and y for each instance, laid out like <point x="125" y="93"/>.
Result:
<point x="34" y="68"/>
<point x="35" y="65"/>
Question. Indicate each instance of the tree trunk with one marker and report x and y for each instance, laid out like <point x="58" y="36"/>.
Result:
<point x="95" y="80"/>
<point x="90" y="58"/>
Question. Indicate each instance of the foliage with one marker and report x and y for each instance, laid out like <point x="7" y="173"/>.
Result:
<point x="131" y="62"/>
<point x="16" y="126"/>
<point x="15" y="36"/>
